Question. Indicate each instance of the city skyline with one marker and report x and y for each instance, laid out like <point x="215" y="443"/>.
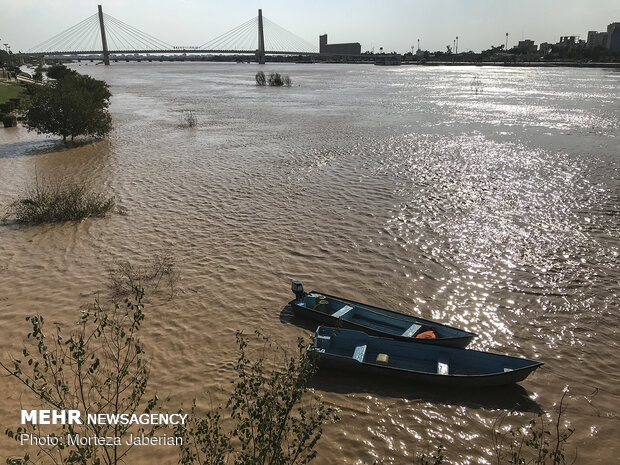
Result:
<point x="394" y="26"/>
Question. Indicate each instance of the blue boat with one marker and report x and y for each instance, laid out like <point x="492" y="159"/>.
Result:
<point x="345" y="313"/>
<point x="345" y="349"/>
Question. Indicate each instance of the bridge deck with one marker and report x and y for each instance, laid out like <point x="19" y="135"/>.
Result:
<point x="160" y="52"/>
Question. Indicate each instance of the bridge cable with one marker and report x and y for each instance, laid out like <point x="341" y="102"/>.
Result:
<point x="141" y="40"/>
<point x="61" y="37"/>
<point x="66" y="40"/>
<point x="214" y="44"/>
<point x="277" y="35"/>
<point x="78" y="38"/>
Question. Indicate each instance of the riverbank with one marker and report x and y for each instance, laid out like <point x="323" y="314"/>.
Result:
<point x="524" y="64"/>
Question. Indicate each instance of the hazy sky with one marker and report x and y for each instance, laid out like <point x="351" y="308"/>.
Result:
<point x="391" y="24"/>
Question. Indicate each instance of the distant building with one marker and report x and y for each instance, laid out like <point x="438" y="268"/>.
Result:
<point x="596" y="39"/>
<point x="545" y="48"/>
<point x="570" y="42"/>
<point x="613" y="37"/>
<point x="351" y="48"/>
<point x="526" y="46"/>
<point x="567" y="41"/>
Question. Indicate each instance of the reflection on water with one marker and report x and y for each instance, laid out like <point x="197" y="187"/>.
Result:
<point x="511" y="398"/>
<point x="496" y="211"/>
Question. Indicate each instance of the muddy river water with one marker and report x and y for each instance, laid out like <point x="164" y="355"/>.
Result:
<point x="486" y="198"/>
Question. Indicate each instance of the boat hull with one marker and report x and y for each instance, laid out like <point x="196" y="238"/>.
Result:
<point x="378" y="321"/>
<point x="339" y="349"/>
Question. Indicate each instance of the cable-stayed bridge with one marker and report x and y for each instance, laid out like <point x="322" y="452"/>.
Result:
<point x="104" y="35"/>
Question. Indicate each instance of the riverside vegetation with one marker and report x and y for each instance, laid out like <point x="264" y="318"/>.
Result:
<point x="69" y="105"/>
<point x="270" y="424"/>
<point x="100" y="367"/>
<point x="11" y="98"/>
<point x="97" y="367"/>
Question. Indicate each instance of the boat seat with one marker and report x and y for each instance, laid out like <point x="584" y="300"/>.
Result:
<point x="443" y="367"/>
<point x="360" y="353"/>
<point x="383" y="359"/>
<point x="412" y="330"/>
<point x="343" y="311"/>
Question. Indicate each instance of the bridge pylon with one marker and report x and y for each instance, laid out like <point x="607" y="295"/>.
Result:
<point x="260" y="53"/>
<point x="104" y="42"/>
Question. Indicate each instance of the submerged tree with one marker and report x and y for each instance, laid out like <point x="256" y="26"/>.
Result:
<point x="55" y="202"/>
<point x="274" y="80"/>
<point x="261" y="80"/>
<point x="69" y="106"/>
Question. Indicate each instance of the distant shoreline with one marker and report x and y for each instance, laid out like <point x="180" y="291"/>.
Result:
<point x="524" y="64"/>
<point x="363" y="60"/>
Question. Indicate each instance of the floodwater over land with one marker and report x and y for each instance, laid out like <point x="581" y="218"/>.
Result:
<point x="486" y="198"/>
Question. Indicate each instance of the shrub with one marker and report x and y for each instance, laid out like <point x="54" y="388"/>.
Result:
<point x="38" y="73"/>
<point x="274" y="79"/>
<point x="96" y="367"/>
<point x="125" y="276"/>
<point x="260" y="79"/>
<point x="542" y="441"/>
<point x="277" y="80"/>
<point x="271" y="427"/>
<point x="9" y="120"/>
<point x="57" y="71"/>
<point x="46" y="203"/>
<point x="189" y="119"/>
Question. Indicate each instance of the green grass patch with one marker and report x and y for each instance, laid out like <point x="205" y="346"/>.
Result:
<point x="9" y="90"/>
<point x="54" y="203"/>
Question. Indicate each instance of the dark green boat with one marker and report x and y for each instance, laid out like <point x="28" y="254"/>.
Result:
<point x="345" y="349"/>
<point x="345" y="313"/>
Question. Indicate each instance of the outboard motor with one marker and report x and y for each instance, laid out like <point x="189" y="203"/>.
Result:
<point x="298" y="288"/>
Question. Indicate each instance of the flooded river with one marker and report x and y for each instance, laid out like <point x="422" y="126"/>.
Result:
<point x="485" y="198"/>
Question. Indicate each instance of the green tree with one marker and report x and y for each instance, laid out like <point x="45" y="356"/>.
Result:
<point x="72" y="105"/>
<point x="58" y="71"/>
<point x="4" y="58"/>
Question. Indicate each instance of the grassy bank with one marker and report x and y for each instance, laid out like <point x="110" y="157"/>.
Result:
<point x="9" y="90"/>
